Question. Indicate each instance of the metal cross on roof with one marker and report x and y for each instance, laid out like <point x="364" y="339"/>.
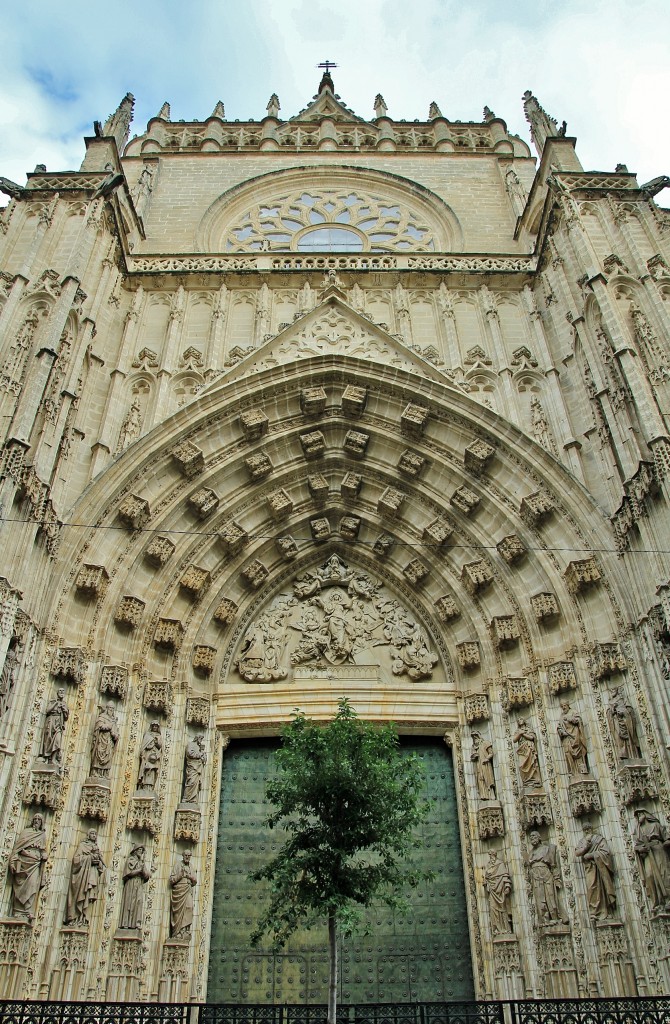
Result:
<point x="327" y="65"/>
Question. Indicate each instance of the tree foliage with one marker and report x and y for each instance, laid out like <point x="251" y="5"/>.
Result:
<point x="350" y="802"/>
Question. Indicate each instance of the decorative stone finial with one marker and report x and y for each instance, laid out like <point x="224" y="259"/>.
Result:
<point x="380" y="106"/>
<point x="118" y="124"/>
<point x="273" y="106"/>
<point x="219" y="111"/>
<point x="164" y="112"/>
<point x="434" y="111"/>
<point x="488" y="115"/>
<point x="542" y="126"/>
<point x="326" y="80"/>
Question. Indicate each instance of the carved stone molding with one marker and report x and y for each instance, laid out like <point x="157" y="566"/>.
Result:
<point x="134" y="512"/>
<point x="562" y="677"/>
<point x="44" y="787"/>
<point x="198" y="709"/>
<point x="129" y="611"/>
<point x="95" y="799"/>
<point x="505" y="630"/>
<point x="476" y="576"/>
<point x="187" y="824"/>
<point x="204" y="502"/>
<point x="437" y="533"/>
<point x="390" y="501"/>
<point x="468" y="654"/>
<point x="545" y="607"/>
<point x="174" y="961"/>
<point x="353" y="400"/>
<point x="583" y="796"/>
<point x="169" y="634"/>
<point x="189" y="459"/>
<point x="637" y="783"/>
<point x="511" y="548"/>
<point x="411" y="463"/>
<point x="15" y="939"/>
<point x="320" y="528"/>
<point x="446" y="609"/>
<point x="413" y="420"/>
<point x="254" y="574"/>
<point x="287" y="547"/>
<point x="259" y="465"/>
<point x="535" y="809"/>
<point x="606" y="660"/>
<point x="195" y="581"/>
<point x="203" y="659"/>
<point x="279" y="503"/>
<point x="233" y="537"/>
<point x="356" y="443"/>
<point x="143" y="812"/>
<point x="126" y="956"/>
<point x="416" y="572"/>
<point x="73" y="947"/>
<point x="350" y="527"/>
<point x="157" y="696"/>
<point x="69" y="663"/>
<point x="476" y="707"/>
<point x="313" y="444"/>
<point x="536" y="508"/>
<point x="383" y="545"/>
<point x="477" y="456"/>
<point x="518" y="693"/>
<point x="611" y="941"/>
<point x="92" y="581"/>
<point x="490" y="821"/>
<point x="159" y="551"/>
<point x="254" y="424"/>
<point x="313" y="401"/>
<point x="318" y="487"/>
<point x="225" y="612"/>
<point x="506" y="956"/>
<point x="465" y="500"/>
<point x="114" y="681"/>
<point x="351" y="486"/>
<point x="582" y="574"/>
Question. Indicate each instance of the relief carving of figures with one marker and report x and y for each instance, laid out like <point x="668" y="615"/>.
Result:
<point x="498" y="885"/>
<point x="181" y="881"/>
<point x="652" y="845"/>
<point x="545" y="876"/>
<point x="86" y="875"/>
<point x="526" y="749"/>
<point x="598" y="862"/>
<point x="150" y="757"/>
<point x="135" y="875"/>
<point x="334" y="616"/>
<point x="622" y="721"/>
<point x="482" y="755"/>
<point x="570" y="729"/>
<point x="195" y="760"/>
<point x="56" y="716"/>
<point x="103" y="744"/>
<point x="26" y="866"/>
<point x="8" y="677"/>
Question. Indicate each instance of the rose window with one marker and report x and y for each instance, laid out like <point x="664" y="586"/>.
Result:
<point x="330" y="221"/>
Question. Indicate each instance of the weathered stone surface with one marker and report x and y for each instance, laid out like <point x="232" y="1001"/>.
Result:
<point x="189" y="459"/>
<point x="92" y="581"/>
<point x="356" y="443"/>
<point x="313" y="444"/>
<point x="259" y="465"/>
<point x="350" y="527"/>
<point x="225" y="612"/>
<point x="536" y="508"/>
<point x="203" y="659"/>
<point x="195" y="581"/>
<point x="446" y="609"/>
<point x="233" y="537"/>
<point x="545" y="607"/>
<point x="280" y="504"/>
<point x="254" y="424"/>
<point x="159" y="551"/>
<point x="254" y="574"/>
<point x="477" y="456"/>
<point x="158" y="696"/>
<point x="413" y="420"/>
<point x="582" y="574"/>
<point x="353" y="400"/>
<point x="204" y="502"/>
<point x="411" y="463"/>
<point x="468" y="654"/>
<point x="129" y="612"/>
<point x="169" y="634"/>
<point x="320" y="528"/>
<point x="476" y="576"/>
<point x="390" y="501"/>
<point x="511" y="548"/>
<point x="416" y="572"/>
<point x="313" y="401"/>
<point x="465" y="500"/>
<point x="287" y="547"/>
<point x="351" y="486"/>
<point x="318" y="486"/>
<point x="134" y="512"/>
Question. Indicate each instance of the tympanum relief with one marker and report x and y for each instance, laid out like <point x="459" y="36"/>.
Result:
<point x="334" y="615"/>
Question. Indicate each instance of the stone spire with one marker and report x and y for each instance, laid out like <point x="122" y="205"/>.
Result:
<point x="219" y="111"/>
<point x="118" y="123"/>
<point x="542" y="126"/>
<point x="164" y="112"/>
<point x="273" y="106"/>
<point x="434" y="111"/>
<point x="380" y="106"/>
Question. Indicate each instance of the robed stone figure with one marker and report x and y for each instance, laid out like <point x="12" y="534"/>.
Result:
<point x="652" y="845"/>
<point x="195" y="760"/>
<point x="26" y="866"/>
<point x="482" y="756"/>
<point x="182" y="880"/>
<point x="103" y="744"/>
<point x="598" y="862"/>
<point x="150" y="757"/>
<point x="86" y="874"/>
<point x="56" y="715"/>
<point x="498" y="885"/>
<point x="135" y="875"/>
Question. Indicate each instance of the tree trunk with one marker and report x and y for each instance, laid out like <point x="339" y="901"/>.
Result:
<point x="332" y="980"/>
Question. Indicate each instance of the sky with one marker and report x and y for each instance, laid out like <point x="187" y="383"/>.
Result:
<point x="601" y="65"/>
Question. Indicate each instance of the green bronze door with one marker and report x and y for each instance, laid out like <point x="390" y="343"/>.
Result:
<point x="423" y="956"/>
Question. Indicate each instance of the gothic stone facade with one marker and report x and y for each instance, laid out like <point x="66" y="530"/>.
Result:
<point x="300" y="408"/>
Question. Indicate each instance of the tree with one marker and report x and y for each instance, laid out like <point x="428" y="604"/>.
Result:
<point x="350" y="802"/>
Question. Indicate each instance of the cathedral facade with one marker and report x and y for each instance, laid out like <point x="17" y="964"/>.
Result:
<point x="330" y="406"/>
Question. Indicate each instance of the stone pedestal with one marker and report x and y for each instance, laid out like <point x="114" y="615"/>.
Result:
<point x="95" y="799"/>
<point x="67" y="981"/>
<point x="125" y="967"/>
<point x="636" y="782"/>
<point x="616" y="966"/>
<point x="187" y="823"/>
<point x="173" y="986"/>
<point x="583" y="795"/>
<point x="143" y="811"/>
<point x="507" y="967"/>
<point x="560" y="975"/>
<point x="490" y="821"/>
<point x="44" y="786"/>
<point x="535" y="808"/>
<point x="15" y="939"/>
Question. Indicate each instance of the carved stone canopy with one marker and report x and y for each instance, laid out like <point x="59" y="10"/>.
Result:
<point x="334" y="615"/>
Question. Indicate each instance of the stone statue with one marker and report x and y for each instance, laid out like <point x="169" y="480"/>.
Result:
<point x="86" y="876"/>
<point x="596" y="857"/>
<point x="482" y="755"/>
<point x="498" y="885"/>
<point x="545" y="876"/>
<point x="103" y="744"/>
<point x="135" y="875"/>
<point x="130" y="427"/>
<point x="652" y="845"/>
<point x="150" y="757"/>
<point x="26" y="866"/>
<point x="526" y="748"/>
<point x="570" y="729"/>
<point x="56" y="716"/>
<point x="182" y="880"/>
<point x="8" y="677"/>
<point x="195" y="760"/>
<point x="623" y="726"/>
